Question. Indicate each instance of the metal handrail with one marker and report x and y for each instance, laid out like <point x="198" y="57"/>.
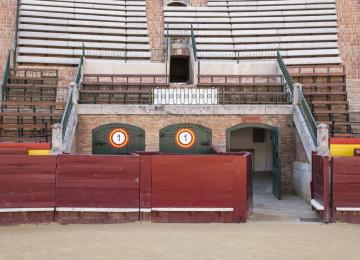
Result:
<point x="308" y="116"/>
<point x="289" y="80"/>
<point x="193" y="43"/>
<point x="5" y="77"/>
<point x="67" y="112"/>
<point x="78" y="71"/>
<point x="69" y="103"/>
<point x="303" y="105"/>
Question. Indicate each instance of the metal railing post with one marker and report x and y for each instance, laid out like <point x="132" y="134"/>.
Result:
<point x="301" y="102"/>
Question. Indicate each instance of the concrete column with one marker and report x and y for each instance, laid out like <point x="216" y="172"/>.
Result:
<point x="75" y="92"/>
<point x="323" y="140"/>
<point x="297" y="93"/>
<point x="56" y="139"/>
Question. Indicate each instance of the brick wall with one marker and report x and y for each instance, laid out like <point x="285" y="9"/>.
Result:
<point x="155" y="21"/>
<point x="349" y="43"/>
<point x="218" y="123"/>
<point x="7" y="25"/>
<point x="199" y="2"/>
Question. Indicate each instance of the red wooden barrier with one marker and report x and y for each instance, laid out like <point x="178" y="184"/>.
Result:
<point x="97" y="188"/>
<point x="157" y="187"/>
<point x="27" y="189"/>
<point x="320" y="194"/>
<point x="346" y="189"/>
<point x="197" y="188"/>
<point x="22" y="148"/>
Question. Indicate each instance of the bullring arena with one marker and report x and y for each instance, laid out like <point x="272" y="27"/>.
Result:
<point x="189" y="112"/>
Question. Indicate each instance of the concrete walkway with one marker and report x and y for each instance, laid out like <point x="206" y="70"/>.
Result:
<point x="290" y="208"/>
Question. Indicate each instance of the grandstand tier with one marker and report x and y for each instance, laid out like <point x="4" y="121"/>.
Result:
<point x="304" y="31"/>
<point x="29" y="107"/>
<point x="56" y="32"/>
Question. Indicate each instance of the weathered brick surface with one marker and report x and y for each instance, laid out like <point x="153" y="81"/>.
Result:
<point x="7" y="25"/>
<point x="218" y="123"/>
<point x="348" y="12"/>
<point x="155" y="21"/>
<point x="199" y="2"/>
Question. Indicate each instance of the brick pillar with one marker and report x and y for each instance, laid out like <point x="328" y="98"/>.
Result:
<point x="348" y="14"/>
<point x="199" y="2"/>
<point x="7" y="25"/>
<point x="155" y="21"/>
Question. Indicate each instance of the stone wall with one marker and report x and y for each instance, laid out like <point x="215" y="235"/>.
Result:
<point x="7" y="25"/>
<point x="300" y="151"/>
<point x="301" y="171"/>
<point x="152" y="123"/>
<point x="348" y="12"/>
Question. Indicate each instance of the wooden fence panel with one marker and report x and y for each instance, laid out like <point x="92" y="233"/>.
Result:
<point x="199" y="188"/>
<point x="98" y="188"/>
<point x="346" y="189"/>
<point x="27" y="188"/>
<point x="320" y="183"/>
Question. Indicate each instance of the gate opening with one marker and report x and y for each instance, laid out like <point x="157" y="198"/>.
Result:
<point x="117" y="138"/>
<point x="186" y="139"/>
<point x="263" y="143"/>
<point x="179" y="69"/>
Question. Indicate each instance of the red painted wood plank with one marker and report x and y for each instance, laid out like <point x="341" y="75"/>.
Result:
<point x="27" y="181"/>
<point x="192" y="181"/>
<point x="145" y="186"/>
<point x="98" y="181"/>
<point x="339" y="140"/>
<point x="28" y="146"/>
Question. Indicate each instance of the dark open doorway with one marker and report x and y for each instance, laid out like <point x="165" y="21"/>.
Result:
<point x="263" y="142"/>
<point x="179" y="69"/>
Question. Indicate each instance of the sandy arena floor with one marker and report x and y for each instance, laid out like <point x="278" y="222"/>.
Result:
<point x="274" y="231"/>
<point x="254" y="240"/>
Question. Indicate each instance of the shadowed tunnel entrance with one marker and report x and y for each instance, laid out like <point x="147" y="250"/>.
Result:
<point x="179" y="69"/>
<point x="262" y="141"/>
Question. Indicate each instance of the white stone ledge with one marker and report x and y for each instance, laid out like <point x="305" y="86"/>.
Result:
<point x="98" y="109"/>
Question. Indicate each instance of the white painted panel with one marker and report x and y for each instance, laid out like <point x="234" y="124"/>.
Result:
<point x="185" y="96"/>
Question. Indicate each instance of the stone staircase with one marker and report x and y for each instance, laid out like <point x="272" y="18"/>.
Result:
<point x="324" y="87"/>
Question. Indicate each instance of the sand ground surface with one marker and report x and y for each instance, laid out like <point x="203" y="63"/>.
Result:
<point x="253" y="240"/>
<point x="275" y="230"/>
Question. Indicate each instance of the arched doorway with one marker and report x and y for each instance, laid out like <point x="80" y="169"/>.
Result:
<point x="186" y="139"/>
<point x="263" y="141"/>
<point x="116" y="138"/>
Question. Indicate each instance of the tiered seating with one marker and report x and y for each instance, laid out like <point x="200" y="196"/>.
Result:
<point x="247" y="89"/>
<point x="138" y="89"/>
<point x="120" y="89"/>
<point x="30" y="106"/>
<point x="325" y="89"/>
<point x="54" y="32"/>
<point x="304" y="30"/>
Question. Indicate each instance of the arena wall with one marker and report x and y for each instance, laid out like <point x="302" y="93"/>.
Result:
<point x="152" y="121"/>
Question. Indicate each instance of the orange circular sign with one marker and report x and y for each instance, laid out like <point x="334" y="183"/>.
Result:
<point x="185" y="138"/>
<point x="119" y="138"/>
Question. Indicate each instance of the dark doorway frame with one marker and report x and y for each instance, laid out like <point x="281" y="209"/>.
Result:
<point x="276" y="189"/>
<point x="182" y="62"/>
